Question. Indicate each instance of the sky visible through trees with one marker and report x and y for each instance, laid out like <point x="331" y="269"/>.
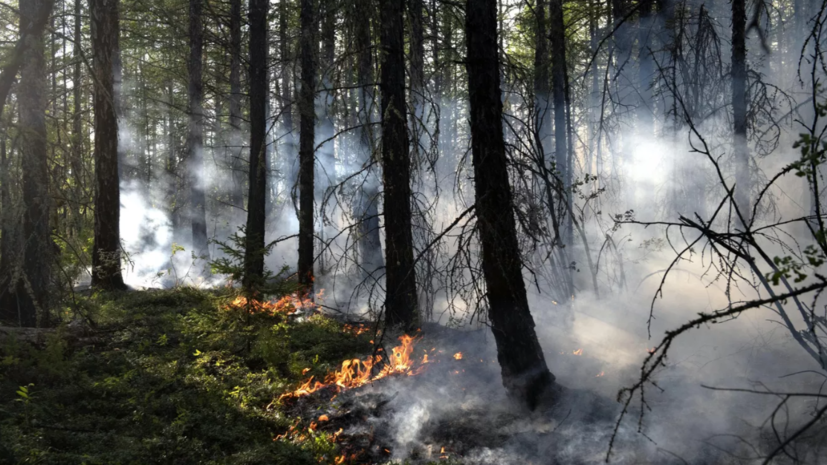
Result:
<point x="635" y="180"/>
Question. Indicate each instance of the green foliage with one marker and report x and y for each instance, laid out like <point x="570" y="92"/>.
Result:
<point x="172" y="377"/>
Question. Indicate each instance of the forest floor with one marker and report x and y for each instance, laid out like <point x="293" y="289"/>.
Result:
<point x="173" y="376"/>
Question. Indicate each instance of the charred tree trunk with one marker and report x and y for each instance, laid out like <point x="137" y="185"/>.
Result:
<point x="236" y="190"/>
<point x="307" y="122"/>
<point x="195" y="137"/>
<point x="645" y="69"/>
<point x="558" y="89"/>
<point x="106" y="254"/>
<point x="400" y="279"/>
<point x="256" y="199"/>
<point x="524" y="370"/>
<point x="739" y="108"/>
<point x="370" y="246"/>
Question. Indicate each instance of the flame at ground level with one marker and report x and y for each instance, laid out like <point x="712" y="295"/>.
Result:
<point x="355" y="372"/>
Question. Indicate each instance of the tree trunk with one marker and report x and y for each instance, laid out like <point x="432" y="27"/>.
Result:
<point x="524" y="370"/>
<point x="256" y="200"/>
<point x="558" y="89"/>
<point x="370" y="245"/>
<point x="400" y="279"/>
<point x="106" y="254"/>
<point x="77" y="123"/>
<point x="541" y="80"/>
<point x="5" y="210"/>
<point x="307" y="122"/>
<point x="195" y="136"/>
<point x="326" y="177"/>
<point x="236" y="189"/>
<point x="739" y="108"/>
<point x="645" y="69"/>
<point x="286" y="94"/>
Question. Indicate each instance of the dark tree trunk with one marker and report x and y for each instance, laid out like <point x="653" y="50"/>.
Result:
<point x="106" y="254"/>
<point x="195" y="138"/>
<point x="5" y="210"/>
<point x="524" y="370"/>
<point x="77" y="123"/>
<point x="400" y="279"/>
<point x="236" y="190"/>
<point x="558" y="89"/>
<point x="307" y="122"/>
<point x="370" y="246"/>
<point x="326" y="176"/>
<point x="645" y="68"/>
<point x="32" y="287"/>
<point x="541" y="79"/>
<point x="254" y="251"/>
<point x="286" y="92"/>
<point x="739" y="108"/>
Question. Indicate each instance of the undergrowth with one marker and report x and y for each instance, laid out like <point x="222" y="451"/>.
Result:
<point x="173" y="376"/>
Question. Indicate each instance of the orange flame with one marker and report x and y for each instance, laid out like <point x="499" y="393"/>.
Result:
<point x="356" y="329"/>
<point x="458" y="356"/>
<point x="286" y="305"/>
<point x="577" y="352"/>
<point x="600" y="374"/>
<point x="355" y="373"/>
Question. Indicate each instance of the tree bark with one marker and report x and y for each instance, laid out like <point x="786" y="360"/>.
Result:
<point x="307" y="122"/>
<point x="254" y="250"/>
<point x="370" y="245"/>
<point x="195" y="138"/>
<point x="558" y="89"/>
<point x="106" y="254"/>
<point x="739" y="108"/>
<point x="286" y="93"/>
<point x="400" y="279"/>
<point x="236" y="190"/>
<point x="77" y="123"/>
<point x="524" y="371"/>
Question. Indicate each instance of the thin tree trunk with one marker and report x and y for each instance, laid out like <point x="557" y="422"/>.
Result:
<point x="524" y="370"/>
<point x="327" y="152"/>
<point x="286" y="93"/>
<point x="541" y="79"/>
<point x="739" y="108"/>
<point x="195" y="137"/>
<point x="236" y="189"/>
<point x="77" y="123"/>
<point x="307" y="122"/>
<point x="106" y="254"/>
<point x="370" y="245"/>
<point x="400" y="279"/>
<point x="558" y="89"/>
<point x="256" y="201"/>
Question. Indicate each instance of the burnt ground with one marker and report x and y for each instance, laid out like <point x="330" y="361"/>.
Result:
<point x="458" y="410"/>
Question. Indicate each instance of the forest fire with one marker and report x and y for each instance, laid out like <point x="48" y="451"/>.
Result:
<point x="286" y="305"/>
<point x="355" y="372"/>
